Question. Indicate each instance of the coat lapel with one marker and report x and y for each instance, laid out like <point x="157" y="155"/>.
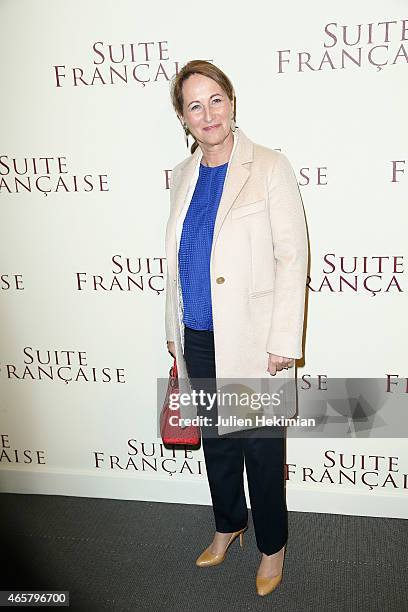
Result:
<point x="183" y="184"/>
<point x="177" y="199"/>
<point x="237" y="176"/>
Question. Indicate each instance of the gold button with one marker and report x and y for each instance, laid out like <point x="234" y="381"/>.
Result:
<point x="220" y="280"/>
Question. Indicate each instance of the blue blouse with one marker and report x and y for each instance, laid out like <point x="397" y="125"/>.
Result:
<point x="195" y="247"/>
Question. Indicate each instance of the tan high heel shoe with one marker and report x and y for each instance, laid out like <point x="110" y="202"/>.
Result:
<point x="266" y="584"/>
<point x="208" y="558"/>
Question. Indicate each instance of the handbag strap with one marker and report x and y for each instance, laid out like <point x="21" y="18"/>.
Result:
<point x="174" y="371"/>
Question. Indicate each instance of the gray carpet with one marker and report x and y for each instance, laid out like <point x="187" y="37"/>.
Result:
<point x="139" y="556"/>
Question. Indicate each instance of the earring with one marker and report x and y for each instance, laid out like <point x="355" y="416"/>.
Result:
<point x="233" y="125"/>
<point x="186" y="132"/>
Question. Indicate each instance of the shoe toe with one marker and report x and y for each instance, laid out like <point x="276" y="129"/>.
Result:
<point x="265" y="585"/>
<point x="208" y="558"/>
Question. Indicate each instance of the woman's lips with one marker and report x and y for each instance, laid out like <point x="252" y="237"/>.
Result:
<point x="211" y="127"/>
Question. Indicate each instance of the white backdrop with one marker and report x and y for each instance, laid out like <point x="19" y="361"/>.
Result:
<point x="88" y="141"/>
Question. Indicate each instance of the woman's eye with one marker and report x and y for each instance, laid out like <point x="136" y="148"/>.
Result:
<point x="198" y="106"/>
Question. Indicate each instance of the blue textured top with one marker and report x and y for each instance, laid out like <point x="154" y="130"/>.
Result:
<point x="195" y="247"/>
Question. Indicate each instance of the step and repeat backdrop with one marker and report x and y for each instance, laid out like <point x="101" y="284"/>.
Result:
<point x="88" y="140"/>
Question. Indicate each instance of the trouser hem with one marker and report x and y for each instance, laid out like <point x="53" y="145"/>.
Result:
<point x="274" y="549"/>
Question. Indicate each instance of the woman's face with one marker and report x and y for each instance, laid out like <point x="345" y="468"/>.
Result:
<point x="207" y="110"/>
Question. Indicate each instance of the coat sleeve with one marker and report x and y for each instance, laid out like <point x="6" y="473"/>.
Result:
<point x="169" y="323"/>
<point x="290" y="245"/>
<point x="168" y="307"/>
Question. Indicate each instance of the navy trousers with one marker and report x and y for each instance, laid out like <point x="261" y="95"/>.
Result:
<point x="264" y="458"/>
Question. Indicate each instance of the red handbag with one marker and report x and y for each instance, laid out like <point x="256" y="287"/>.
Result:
<point x="174" y="433"/>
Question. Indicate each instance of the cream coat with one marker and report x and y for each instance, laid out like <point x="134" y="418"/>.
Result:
<point x="258" y="267"/>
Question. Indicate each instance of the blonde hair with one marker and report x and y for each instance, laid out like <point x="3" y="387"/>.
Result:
<point x="206" y="69"/>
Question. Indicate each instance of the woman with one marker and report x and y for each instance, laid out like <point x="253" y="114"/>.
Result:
<point x="236" y="248"/>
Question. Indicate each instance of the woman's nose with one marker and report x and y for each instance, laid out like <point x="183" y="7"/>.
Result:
<point x="208" y="114"/>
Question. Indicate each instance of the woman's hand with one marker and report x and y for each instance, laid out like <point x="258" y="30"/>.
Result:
<point x="171" y="348"/>
<point x="276" y="363"/>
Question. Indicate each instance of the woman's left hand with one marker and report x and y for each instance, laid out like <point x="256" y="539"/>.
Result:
<point x="276" y="363"/>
